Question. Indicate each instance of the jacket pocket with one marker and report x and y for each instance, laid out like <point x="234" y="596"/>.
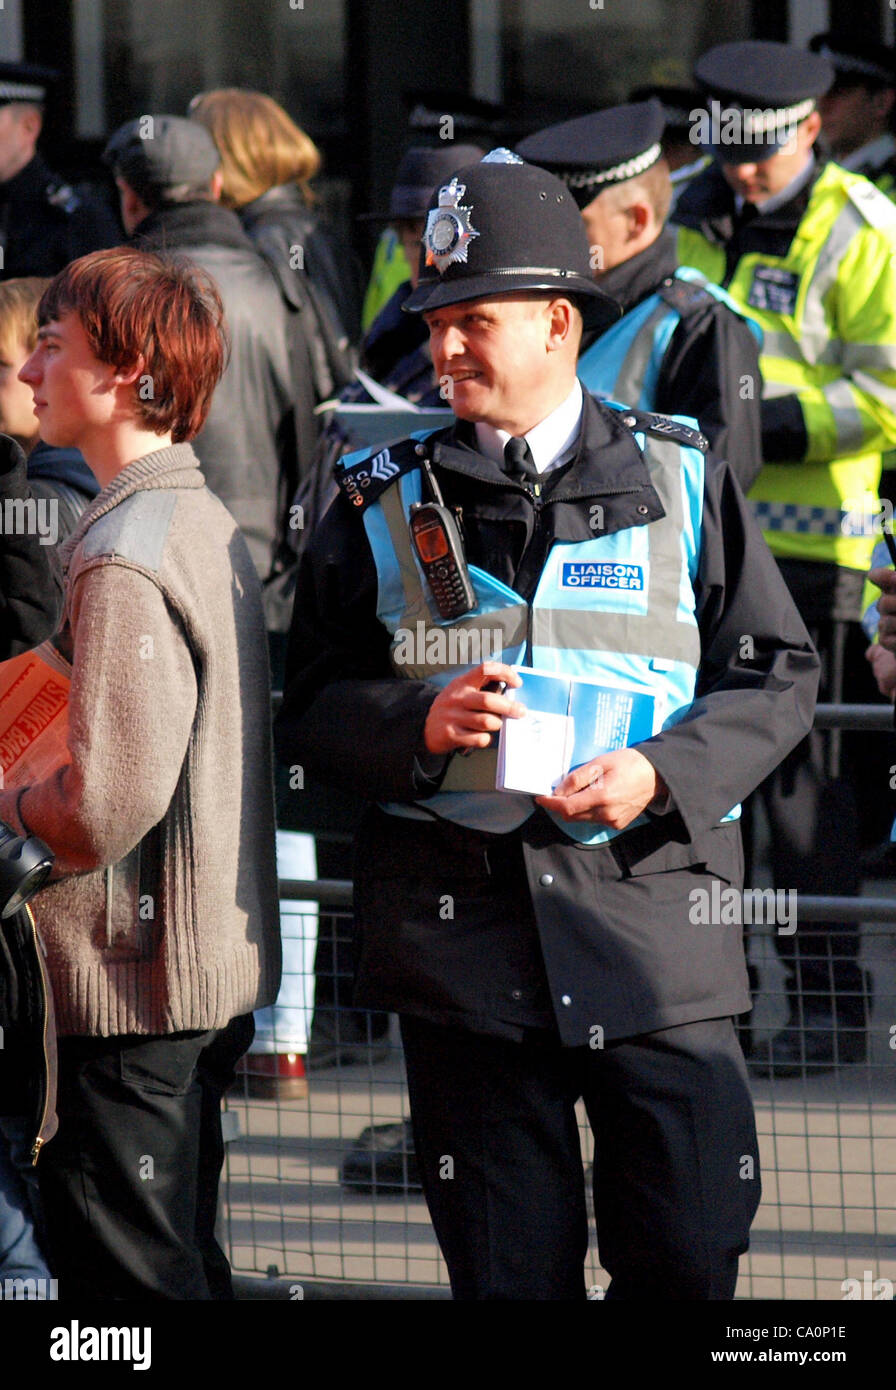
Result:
<point x="718" y="852"/>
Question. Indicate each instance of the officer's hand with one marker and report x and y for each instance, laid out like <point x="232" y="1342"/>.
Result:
<point x="885" y="579"/>
<point x="613" y="789"/>
<point x="883" y="664"/>
<point x="463" y="715"/>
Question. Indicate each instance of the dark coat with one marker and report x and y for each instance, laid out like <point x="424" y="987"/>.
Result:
<point x="247" y="447"/>
<point x="30" y="611"/>
<point x="316" y="271"/>
<point x="612" y="923"/>
<point x="45" y="223"/>
<point x="710" y="353"/>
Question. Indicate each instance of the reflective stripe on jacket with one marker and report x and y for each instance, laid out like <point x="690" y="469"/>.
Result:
<point x="624" y="363"/>
<point x="828" y="312"/>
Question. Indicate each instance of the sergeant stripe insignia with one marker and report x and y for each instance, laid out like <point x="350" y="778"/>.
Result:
<point x="363" y="475"/>
<point x="383" y="467"/>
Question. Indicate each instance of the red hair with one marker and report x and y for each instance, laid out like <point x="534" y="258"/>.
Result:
<point x="133" y="304"/>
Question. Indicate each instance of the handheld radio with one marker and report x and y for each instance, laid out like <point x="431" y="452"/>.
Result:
<point x="440" y="551"/>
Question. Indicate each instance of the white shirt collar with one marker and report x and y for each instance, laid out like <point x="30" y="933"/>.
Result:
<point x="777" y="200"/>
<point x="875" y="153"/>
<point x="552" y="442"/>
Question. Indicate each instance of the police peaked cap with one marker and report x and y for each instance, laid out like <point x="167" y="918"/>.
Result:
<point x="421" y="168"/>
<point x="777" y="82"/>
<point x="500" y="227"/>
<point x="678" y="103"/>
<point x="592" y="152"/>
<point x="857" y="62"/>
<point x="28" y="82"/>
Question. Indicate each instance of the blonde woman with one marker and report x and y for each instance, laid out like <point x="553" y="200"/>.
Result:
<point x="268" y="163"/>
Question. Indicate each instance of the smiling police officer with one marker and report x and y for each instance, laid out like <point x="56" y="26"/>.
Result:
<point x="539" y="949"/>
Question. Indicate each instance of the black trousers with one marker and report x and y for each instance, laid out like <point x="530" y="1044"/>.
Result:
<point x="130" y="1183"/>
<point x="676" y="1170"/>
<point x="814" y="827"/>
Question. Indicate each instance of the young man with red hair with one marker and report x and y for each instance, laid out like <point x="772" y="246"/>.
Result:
<point x="161" y="926"/>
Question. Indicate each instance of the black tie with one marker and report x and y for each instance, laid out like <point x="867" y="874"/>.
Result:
<point x="518" y="462"/>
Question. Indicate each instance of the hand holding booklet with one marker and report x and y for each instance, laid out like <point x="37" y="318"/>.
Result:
<point x="569" y="721"/>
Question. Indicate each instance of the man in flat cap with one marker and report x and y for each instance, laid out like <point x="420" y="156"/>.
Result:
<point x="44" y="222"/>
<point x="167" y="169"/>
<point x="543" y="945"/>
<point x="682" y="347"/>
<point x="807" y="249"/>
<point x="857" y="110"/>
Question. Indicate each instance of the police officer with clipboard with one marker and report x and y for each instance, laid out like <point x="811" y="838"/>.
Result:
<point x="542" y="948"/>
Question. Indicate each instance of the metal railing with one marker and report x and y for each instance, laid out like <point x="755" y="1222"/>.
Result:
<point x="827" y="1137"/>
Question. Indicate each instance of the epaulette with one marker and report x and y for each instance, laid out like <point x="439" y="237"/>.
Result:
<point x="876" y="208"/>
<point x="62" y="196"/>
<point x="662" y="427"/>
<point x="685" y="296"/>
<point x="365" y="474"/>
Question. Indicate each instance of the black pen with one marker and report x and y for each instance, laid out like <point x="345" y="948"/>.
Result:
<point x="494" y="688"/>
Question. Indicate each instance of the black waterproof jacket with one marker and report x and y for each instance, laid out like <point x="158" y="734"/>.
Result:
<point x="710" y="370"/>
<point x="247" y="447"/>
<point x="614" y="943"/>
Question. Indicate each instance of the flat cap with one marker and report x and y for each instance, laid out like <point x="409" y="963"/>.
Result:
<point x="162" y="152"/>
<point x="592" y="152"/>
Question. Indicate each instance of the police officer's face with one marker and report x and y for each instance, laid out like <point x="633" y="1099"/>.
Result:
<point x="502" y="361"/>
<point x="16" y="402"/>
<point x="74" y="393"/>
<point x="19" y="129"/>
<point x="759" y="180"/>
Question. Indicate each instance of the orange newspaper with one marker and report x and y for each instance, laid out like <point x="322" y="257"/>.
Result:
<point x="34" y="689"/>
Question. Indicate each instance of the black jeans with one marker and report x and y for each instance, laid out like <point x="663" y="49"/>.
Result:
<point x="130" y="1183"/>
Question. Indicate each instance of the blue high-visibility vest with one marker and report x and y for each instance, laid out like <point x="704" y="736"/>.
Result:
<point x="624" y="363"/>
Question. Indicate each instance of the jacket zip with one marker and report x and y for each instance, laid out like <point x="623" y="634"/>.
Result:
<point x="39" y="1141"/>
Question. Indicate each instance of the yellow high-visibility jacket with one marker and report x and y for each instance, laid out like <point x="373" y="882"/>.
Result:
<point x="824" y="292"/>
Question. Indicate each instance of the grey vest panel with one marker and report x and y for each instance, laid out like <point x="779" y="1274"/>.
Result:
<point x="136" y="529"/>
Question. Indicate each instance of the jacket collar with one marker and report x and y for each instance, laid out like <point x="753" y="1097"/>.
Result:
<point x="642" y="275"/>
<point x="191" y="224"/>
<point x="607" y="462"/>
<point x="29" y="182"/>
<point x="708" y="204"/>
<point x="174" y="467"/>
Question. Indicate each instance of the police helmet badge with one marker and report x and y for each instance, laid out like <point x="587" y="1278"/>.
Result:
<point x="448" y="230"/>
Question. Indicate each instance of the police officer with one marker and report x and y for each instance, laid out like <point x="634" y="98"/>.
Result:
<point x="682" y="346"/>
<point x="857" y="111"/>
<point x="807" y="249"/>
<point x="543" y="948"/>
<point x="44" y="222"/>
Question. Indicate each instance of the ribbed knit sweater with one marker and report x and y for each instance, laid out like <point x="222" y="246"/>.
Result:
<point x="164" y="916"/>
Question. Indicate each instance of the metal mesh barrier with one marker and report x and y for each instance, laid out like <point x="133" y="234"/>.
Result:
<point x="827" y="1150"/>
